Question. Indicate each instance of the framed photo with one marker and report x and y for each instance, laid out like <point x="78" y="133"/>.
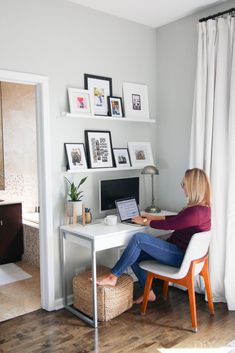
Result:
<point x="115" y="107"/>
<point x="76" y="156"/>
<point x="100" y="88"/>
<point x="121" y="157"/>
<point x="136" y="100"/>
<point x="140" y="154"/>
<point x="99" y="149"/>
<point x="80" y="101"/>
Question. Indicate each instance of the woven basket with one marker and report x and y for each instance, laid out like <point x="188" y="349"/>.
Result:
<point x="111" y="301"/>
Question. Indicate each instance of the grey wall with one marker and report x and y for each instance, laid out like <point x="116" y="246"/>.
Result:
<point x="176" y="68"/>
<point x="63" y="41"/>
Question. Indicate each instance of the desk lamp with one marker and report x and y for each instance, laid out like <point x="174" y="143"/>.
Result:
<point x="151" y="170"/>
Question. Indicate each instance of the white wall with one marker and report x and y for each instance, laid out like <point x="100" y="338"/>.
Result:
<point x="63" y="41"/>
<point x="176" y="68"/>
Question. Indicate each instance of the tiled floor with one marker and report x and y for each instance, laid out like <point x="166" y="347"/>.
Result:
<point x="21" y="297"/>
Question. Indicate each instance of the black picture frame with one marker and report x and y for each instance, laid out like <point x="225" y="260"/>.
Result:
<point x="100" y="88"/>
<point x="115" y="107"/>
<point x="99" y="149"/>
<point x="121" y="157"/>
<point x="75" y="156"/>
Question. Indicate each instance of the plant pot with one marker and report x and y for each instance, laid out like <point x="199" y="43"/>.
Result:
<point x="73" y="210"/>
<point x="78" y="207"/>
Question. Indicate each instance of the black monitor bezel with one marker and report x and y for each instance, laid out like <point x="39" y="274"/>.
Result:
<point x="113" y="209"/>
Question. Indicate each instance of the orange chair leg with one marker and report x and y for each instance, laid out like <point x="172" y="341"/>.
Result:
<point x="192" y="302"/>
<point x="147" y="288"/>
<point x="205" y="274"/>
<point x="165" y="289"/>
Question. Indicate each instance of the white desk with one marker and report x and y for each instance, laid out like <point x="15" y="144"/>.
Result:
<point x="96" y="237"/>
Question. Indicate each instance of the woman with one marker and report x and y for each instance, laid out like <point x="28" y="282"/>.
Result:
<point x="194" y="218"/>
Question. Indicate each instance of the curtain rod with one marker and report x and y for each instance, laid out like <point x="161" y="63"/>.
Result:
<point x="217" y="15"/>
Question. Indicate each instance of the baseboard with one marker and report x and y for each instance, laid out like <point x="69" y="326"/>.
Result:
<point x="59" y="303"/>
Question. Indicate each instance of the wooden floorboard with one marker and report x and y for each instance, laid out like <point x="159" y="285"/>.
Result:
<point x="165" y="325"/>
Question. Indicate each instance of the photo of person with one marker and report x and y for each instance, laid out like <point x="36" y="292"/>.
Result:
<point x="136" y="102"/>
<point x="100" y="88"/>
<point x="99" y="97"/>
<point x="115" y="107"/>
<point x="122" y="159"/>
<point x="140" y="155"/>
<point x="76" y="156"/>
<point x="121" y="156"/>
<point x="135" y="97"/>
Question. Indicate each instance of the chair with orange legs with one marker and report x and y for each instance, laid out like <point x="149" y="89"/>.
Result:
<point x="195" y="262"/>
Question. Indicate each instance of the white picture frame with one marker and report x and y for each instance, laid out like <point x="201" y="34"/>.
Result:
<point x="81" y="102"/>
<point x="140" y="154"/>
<point x="121" y="157"/>
<point x="76" y="156"/>
<point x="136" y="103"/>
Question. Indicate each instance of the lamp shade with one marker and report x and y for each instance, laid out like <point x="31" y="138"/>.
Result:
<point x="150" y="169"/>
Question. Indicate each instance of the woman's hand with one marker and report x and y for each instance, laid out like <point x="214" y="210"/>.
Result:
<point x="141" y="220"/>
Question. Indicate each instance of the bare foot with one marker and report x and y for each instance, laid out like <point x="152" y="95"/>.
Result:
<point x="107" y="280"/>
<point x="151" y="298"/>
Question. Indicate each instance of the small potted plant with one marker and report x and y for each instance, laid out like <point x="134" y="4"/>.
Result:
<point x="76" y="195"/>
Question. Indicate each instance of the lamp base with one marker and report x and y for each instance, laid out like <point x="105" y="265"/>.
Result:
<point x="153" y="209"/>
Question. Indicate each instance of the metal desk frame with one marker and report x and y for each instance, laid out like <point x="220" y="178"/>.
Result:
<point x="107" y="237"/>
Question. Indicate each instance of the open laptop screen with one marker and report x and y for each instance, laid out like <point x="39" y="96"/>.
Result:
<point x="127" y="209"/>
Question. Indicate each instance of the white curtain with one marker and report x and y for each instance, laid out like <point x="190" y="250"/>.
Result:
<point x="213" y="145"/>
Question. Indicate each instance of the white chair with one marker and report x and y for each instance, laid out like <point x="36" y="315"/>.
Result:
<point x="195" y="262"/>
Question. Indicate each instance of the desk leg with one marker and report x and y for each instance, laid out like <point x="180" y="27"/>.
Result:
<point x="95" y="315"/>
<point x="93" y="322"/>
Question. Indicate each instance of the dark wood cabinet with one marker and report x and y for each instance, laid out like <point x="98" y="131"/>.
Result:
<point x="11" y="233"/>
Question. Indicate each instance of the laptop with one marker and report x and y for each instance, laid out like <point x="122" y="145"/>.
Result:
<point x="127" y="209"/>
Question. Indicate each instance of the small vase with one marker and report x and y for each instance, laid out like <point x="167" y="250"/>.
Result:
<point x="88" y="217"/>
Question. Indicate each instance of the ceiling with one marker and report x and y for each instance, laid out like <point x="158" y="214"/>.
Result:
<point x="153" y="13"/>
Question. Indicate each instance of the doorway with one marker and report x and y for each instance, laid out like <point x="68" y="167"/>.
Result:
<point x="44" y="180"/>
<point x="20" y="259"/>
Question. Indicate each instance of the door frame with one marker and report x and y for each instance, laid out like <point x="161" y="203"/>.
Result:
<point x="46" y="242"/>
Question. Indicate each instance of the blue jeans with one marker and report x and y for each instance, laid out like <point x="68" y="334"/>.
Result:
<point x="145" y="247"/>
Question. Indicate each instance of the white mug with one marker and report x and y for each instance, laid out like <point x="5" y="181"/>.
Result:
<point x="111" y="220"/>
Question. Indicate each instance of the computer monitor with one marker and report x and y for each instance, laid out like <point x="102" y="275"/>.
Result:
<point x="114" y="189"/>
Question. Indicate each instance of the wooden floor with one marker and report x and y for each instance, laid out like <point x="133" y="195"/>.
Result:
<point x="166" y="325"/>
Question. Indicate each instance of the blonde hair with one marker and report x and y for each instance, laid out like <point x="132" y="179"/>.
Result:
<point x="197" y="186"/>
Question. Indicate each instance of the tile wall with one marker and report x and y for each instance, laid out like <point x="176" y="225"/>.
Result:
<point x="19" y="144"/>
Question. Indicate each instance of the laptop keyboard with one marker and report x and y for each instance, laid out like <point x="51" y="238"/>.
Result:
<point x="131" y="222"/>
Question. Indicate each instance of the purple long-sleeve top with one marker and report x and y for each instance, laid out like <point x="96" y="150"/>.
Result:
<point x="187" y="222"/>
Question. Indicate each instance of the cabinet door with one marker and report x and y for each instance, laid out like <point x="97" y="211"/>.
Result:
<point x="11" y="233"/>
